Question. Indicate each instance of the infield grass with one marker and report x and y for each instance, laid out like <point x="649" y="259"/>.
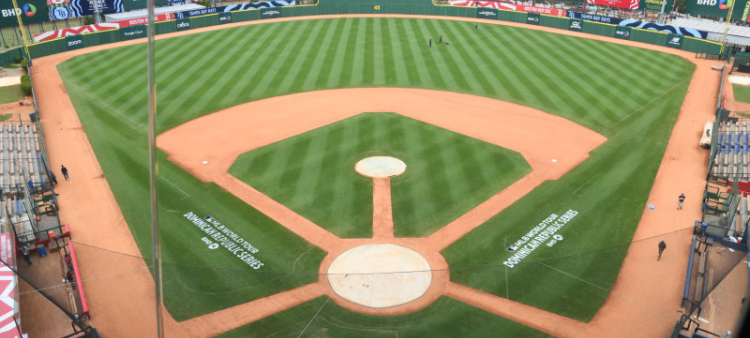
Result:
<point x="741" y="93"/>
<point x="447" y="173"/>
<point x="629" y="95"/>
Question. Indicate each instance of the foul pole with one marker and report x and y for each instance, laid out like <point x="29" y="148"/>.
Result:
<point x="20" y="26"/>
<point x="153" y="172"/>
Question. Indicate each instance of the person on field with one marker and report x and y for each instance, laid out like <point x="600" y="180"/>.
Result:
<point x="430" y="43"/>
<point x="476" y="26"/>
<point x="53" y="178"/>
<point x="65" y="172"/>
<point x="447" y="43"/>
<point x="680" y="201"/>
<point x="662" y="246"/>
<point x="441" y="39"/>
<point x="26" y="257"/>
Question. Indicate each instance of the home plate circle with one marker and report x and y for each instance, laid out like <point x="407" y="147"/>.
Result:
<point x="380" y="275"/>
<point x="380" y="166"/>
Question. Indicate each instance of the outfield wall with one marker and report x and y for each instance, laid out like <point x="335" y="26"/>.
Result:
<point x="629" y="33"/>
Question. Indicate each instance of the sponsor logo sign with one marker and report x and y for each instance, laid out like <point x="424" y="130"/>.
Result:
<point x="270" y="13"/>
<point x="30" y="11"/>
<point x="487" y="13"/>
<point x="597" y="18"/>
<point x="225" y="18"/>
<point x="205" y="11"/>
<point x="182" y="24"/>
<point x="133" y="32"/>
<point x="144" y="20"/>
<point x="675" y="41"/>
<point x="718" y="8"/>
<point x="622" y="33"/>
<point x="629" y="4"/>
<point x="74" y="42"/>
<point x="655" y="5"/>
<point x="576" y="25"/>
<point x="532" y="18"/>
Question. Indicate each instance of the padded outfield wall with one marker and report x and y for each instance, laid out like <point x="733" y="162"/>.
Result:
<point x="332" y="7"/>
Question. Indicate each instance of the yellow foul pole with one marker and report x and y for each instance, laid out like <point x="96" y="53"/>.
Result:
<point x="20" y="26"/>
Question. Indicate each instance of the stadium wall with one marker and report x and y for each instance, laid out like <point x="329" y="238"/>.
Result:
<point x="635" y="34"/>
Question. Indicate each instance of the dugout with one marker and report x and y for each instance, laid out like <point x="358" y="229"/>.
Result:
<point x="741" y="63"/>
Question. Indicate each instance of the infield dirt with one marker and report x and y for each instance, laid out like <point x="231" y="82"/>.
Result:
<point x="643" y="302"/>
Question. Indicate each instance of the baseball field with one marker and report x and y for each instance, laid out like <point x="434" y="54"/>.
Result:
<point x="535" y="131"/>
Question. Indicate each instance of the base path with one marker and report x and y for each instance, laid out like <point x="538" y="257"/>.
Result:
<point x="643" y="302"/>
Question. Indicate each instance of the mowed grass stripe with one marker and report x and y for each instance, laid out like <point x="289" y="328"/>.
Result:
<point x="267" y="58"/>
<point x="239" y="69"/>
<point x="272" y="69"/>
<point x="380" y="77"/>
<point x="405" y="51"/>
<point x="347" y="71"/>
<point x="436" y="64"/>
<point x="417" y="43"/>
<point x="368" y="68"/>
<point x="299" y="66"/>
<point x="321" y="60"/>
<point x="395" y="71"/>
<point x="472" y="58"/>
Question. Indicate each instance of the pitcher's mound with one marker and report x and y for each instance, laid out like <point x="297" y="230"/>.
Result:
<point x="380" y="166"/>
<point x="380" y="275"/>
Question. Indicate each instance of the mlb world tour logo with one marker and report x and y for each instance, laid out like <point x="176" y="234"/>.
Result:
<point x="219" y="235"/>
<point x="523" y="247"/>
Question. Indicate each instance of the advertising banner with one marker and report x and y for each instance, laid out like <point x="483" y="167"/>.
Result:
<point x="74" y="42"/>
<point x="622" y="32"/>
<point x="133" y="32"/>
<point x="640" y="24"/>
<point x="597" y="18"/>
<point x="144" y="20"/>
<point x="487" y="13"/>
<point x="79" y="8"/>
<point x="270" y="13"/>
<point x="56" y="2"/>
<point x="665" y="28"/>
<point x="9" y="286"/>
<point x="629" y="4"/>
<point x="655" y="5"/>
<point x="131" y="5"/>
<point x="30" y="11"/>
<point x="532" y="18"/>
<point x="532" y="9"/>
<point x="225" y="18"/>
<point x="61" y="33"/>
<point x="675" y="41"/>
<point x="182" y="24"/>
<point x="256" y="5"/>
<point x="197" y="12"/>
<point x="718" y="8"/>
<point x="576" y="25"/>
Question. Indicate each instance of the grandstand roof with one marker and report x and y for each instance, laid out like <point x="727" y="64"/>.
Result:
<point x="711" y="26"/>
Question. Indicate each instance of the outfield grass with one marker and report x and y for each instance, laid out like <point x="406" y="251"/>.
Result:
<point x="446" y="317"/>
<point x="10" y="94"/>
<point x="741" y="93"/>
<point x="629" y="95"/>
<point x="437" y="187"/>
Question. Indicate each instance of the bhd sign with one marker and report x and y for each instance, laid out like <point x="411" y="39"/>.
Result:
<point x="718" y="8"/>
<point x="532" y="18"/>
<point x="225" y="18"/>
<point x="622" y="32"/>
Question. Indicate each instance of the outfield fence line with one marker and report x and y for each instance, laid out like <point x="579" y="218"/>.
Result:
<point x="90" y="39"/>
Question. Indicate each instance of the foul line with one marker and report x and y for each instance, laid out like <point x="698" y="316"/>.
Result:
<point x="172" y="184"/>
<point x="313" y="318"/>
<point x="611" y="291"/>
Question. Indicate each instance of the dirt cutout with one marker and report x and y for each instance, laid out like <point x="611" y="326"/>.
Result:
<point x="643" y="302"/>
